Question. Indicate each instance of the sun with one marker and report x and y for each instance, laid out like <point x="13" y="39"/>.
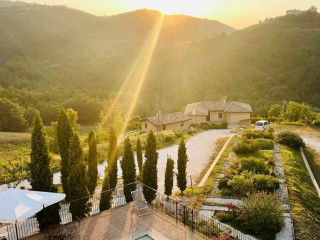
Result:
<point x="188" y="7"/>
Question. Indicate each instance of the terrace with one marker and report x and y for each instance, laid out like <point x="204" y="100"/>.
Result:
<point x="168" y="219"/>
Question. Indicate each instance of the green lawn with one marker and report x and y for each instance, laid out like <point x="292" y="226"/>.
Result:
<point x="304" y="202"/>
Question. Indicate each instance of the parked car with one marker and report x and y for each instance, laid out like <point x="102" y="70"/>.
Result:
<point x="262" y="125"/>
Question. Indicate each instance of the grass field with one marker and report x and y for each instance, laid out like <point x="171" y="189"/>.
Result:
<point x="304" y="201"/>
<point x="13" y="144"/>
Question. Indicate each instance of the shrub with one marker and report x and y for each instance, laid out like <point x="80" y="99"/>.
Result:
<point x="258" y="134"/>
<point x="266" y="144"/>
<point x="257" y="165"/>
<point x="242" y="184"/>
<point x="225" y="217"/>
<point x="262" y="215"/>
<point x="169" y="138"/>
<point x="245" y="146"/>
<point x="316" y="121"/>
<point x="265" y="182"/>
<point x="254" y="119"/>
<point x="223" y="183"/>
<point x="291" y="139"/>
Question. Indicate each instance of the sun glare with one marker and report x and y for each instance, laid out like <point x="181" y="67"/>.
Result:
<point x="195" y="8"/>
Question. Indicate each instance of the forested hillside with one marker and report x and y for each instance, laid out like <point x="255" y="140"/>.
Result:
<point x="56" y="56"/>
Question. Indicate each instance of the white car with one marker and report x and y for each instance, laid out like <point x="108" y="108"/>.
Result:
<point x="262" y="125"/>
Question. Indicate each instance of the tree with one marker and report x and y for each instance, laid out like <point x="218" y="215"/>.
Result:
<point x="92" y="162"/>
<point x="73" y="119"/>
<point x="11" y="117"/>
<point x="182" y="166"/>
<point x="14" y="171"/>
<point x="53" y="131"/>
<point x="168" y="181"/>
<point x="64" y="136"/>
<point x="112" y="159"/>
<point x="128" y="170"/>
<point x="313" y="10"/>
<point x="41" y="176"/>
<point x="150" y="171"/>
<point x="275" y="110"/>
<point x="297" y="112"/>
<point x="106" y="194"/>
<point x="77" y="180"/>
<point x="111" y="116"/>
<point x="139" y="156"/>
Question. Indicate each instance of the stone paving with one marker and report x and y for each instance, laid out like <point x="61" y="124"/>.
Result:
<point x="287" y="231"/>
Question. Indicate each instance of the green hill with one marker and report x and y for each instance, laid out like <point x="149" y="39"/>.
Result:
<point x="57" y="56"/>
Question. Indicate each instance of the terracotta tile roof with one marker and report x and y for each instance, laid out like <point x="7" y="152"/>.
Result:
<point x="161" y="119"/>
<point x="203" y="108"/>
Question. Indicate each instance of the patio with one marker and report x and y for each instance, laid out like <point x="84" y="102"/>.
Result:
<point x="124" y="223"/>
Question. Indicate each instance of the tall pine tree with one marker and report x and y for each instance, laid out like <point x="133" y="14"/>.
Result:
<point x="168" y="181"/>
<point x="182" y="166"/>
<point x="106" y="194"/>
<point x="150" y="171"/>
<point x="128" y="170"/>
<point x="77" y="180"/>
<point x="92" y="163"/>
<point x="139" y="156"/>
<point x="64" y="135"/>
<point x="112" y="168"/>
<point x="41" y="176"/>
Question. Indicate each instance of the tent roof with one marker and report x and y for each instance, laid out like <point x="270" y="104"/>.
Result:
<point x="18" y="205"/>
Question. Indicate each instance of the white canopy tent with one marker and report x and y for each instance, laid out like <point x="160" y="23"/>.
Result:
<point x="17" y="205"/>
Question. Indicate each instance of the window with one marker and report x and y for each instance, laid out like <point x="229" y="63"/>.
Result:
<point x="145" y="125"/>
<point x="182" y="124"/>
<point x="220" y="115"/>
<point x="164" y="127"/>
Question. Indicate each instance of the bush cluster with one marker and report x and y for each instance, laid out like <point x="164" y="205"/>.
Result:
<point x="258" y="134"/>
<point x="265" y="144"/>
<point x="291" y="139"/>
<point x="261" y="214"/>
<point x="252" y="164"/>
<point x="249" y="182"/>
<point x="209" y="125"/>
<point x="245" y="146"/>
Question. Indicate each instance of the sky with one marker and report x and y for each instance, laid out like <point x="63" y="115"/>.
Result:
<point x="236" y="13"/>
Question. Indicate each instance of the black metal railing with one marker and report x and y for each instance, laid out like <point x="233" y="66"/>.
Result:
<point x="204" y="225"/>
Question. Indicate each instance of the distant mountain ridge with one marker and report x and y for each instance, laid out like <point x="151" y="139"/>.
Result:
<point x="67" y="57"/>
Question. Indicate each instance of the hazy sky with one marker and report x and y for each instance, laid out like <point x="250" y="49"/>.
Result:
<point x="236" y="13"/>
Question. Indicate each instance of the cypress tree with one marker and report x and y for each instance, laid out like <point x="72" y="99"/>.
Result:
<point x="64" y="135"/>
<point x="106" y="195"/>
<point x="92" y="163"/>
<point x="128" y="170"/>
<point x="150" y="171"/>
<point x="182" y="166"/>
<point x="112" y="159"/>
<point x="139" y="156"/>
<point x="41" y="176"/>
<point x="77" y="180"/>
<point x="168" y="181"/>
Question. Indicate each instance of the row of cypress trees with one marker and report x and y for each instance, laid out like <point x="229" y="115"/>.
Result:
<point x="78" y="181"/>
